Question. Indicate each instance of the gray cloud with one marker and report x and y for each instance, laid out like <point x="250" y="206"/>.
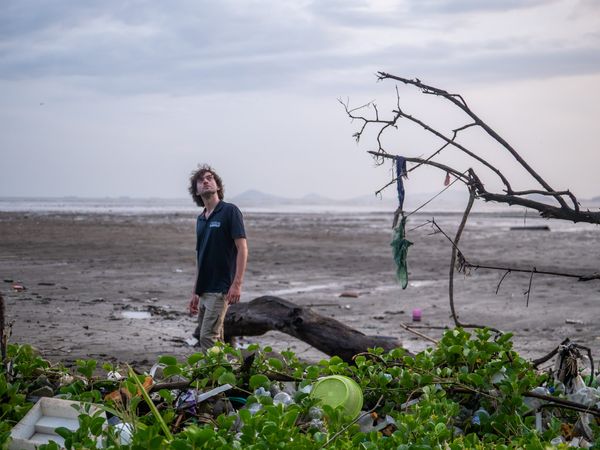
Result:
<point x="196" y="47"/>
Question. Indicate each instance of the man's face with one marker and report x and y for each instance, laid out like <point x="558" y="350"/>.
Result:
<point x="206" y="184"/>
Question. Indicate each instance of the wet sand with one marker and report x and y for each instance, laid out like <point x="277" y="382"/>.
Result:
<point x="85" y="273"/>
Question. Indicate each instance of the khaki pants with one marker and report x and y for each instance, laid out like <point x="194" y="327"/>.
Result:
<point x="211" y="315"/>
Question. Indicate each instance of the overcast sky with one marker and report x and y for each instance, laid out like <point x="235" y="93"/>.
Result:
<point x="125" y="98"/>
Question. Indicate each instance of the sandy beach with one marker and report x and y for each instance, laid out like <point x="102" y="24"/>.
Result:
<point x="115" y="287"/>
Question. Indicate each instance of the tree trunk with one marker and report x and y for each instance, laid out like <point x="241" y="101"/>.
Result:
<point x="325" y="334"/>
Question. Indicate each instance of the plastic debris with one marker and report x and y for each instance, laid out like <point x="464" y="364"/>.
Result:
<point x="499" y="376"/>
<point x="282" y="398"/>
<point x="306" y="389"/>
<point x="192" y="341"/>
<point x="535" y="403"/>
<point x="479" y="415"/>
<point x="254" y="408"/>
<point x="262" y="392"/>
<point x="124" y="431"/>
<point x="416" y="315"/>
<point x="373" y="422"/>
<point x="113" y="375"/>
<point x="315" y="412"/>
<point x="18" y="287"/>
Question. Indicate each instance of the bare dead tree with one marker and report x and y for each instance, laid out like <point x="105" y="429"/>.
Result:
<point x="568" y="206"/>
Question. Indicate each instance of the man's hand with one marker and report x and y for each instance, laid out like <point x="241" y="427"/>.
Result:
<point x="234" y="294"/>
<point x="193" y="307"/>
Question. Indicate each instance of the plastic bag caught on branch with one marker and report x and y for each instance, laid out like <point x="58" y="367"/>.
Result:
<point x="400" y="250"/>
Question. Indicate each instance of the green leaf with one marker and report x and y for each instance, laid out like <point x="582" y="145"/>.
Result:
<point x="194" y="358"/>
<point x="440" y="428"/>
<point x="276" y="363"/>
<point x="96" y="425"/>
<point x="167" y="360"/>
<point x="257" y="381"/>
<point x="455" y="349"/>
<point x="166" y="395"/>
<point x="169" y="371"/>
<point x="63" y="432"/>
<point x="476" y="379"/>
<point x="227" y="378"/>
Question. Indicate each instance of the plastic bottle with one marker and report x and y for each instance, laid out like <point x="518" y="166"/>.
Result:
<point x="479" y="415"/>
<point x="282" y="398"/>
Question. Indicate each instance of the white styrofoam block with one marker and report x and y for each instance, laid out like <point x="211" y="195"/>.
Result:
<point x="44" y="438"/>
<point x="38" y="425"/>
<point x="47" y="424"/>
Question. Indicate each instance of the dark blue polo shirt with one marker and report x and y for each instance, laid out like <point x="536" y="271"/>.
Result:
<point x="215" y="247"/>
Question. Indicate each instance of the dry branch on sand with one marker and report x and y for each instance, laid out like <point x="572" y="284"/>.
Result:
<point x="325" y="334"/>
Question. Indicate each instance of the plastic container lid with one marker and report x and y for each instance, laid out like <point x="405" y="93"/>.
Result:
<point x="337" y="390"/>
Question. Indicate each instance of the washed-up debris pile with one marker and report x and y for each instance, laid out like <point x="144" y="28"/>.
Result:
<point x="469" y="391"/>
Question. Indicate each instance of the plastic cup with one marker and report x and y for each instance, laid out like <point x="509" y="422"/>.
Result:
<point x="416" y="315"/>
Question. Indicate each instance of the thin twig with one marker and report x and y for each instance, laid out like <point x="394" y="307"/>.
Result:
<point x="424" y="336"/>
<point x="529" y="288"/>
<point x="432" y="198"/>
<point x="2" y="336"/>
<point x="501" y="280"/>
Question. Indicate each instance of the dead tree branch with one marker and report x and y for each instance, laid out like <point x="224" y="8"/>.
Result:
<point x="328" y="335"/>
<point x="509" y="196"/>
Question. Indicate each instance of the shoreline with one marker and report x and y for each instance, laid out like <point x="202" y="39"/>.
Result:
<point x="100" y="266"/>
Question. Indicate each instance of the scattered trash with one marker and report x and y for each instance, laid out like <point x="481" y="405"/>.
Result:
<point x="499" y="376"/>
<point x="349" y="294"/>
<point x="123" y="395"/>
<point x="38" y="425"/>
<point x="282" y="398"/>
<point x="178" y="270"/>
<point x="213" y="392"/>
<point x="124" y="431"/>
<point x="136" y="314"/>
<point x="18" y="287"/>
<point x="114" y="375"/>
<point x="338" y="390"/>
<point x="192" y="341"/>
<point x="535" y="403"/>
<point x="574" y="321"/>
<point x="479" y="415"/>
<point x="306" y="389"/>
<point x="374" y="422"/>
<point x="416" y="315"/>
<point x="315" y="412"/>
<point x="347" y="306"/>
<point x="262" y="392"/>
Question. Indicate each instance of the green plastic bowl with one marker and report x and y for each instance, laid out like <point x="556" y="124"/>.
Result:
<point x="337" y="390"/>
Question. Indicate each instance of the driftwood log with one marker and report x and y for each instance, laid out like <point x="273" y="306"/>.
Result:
<point x="325" y="334"/>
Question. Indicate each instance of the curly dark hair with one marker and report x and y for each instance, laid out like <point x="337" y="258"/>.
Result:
<point x="199" y="173"/>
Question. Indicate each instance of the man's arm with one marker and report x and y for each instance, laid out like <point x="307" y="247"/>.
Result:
<point x="235" y="291"/>
<point x="194" y="300"/>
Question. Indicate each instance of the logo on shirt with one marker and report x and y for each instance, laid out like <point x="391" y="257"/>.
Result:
<point x="214" y="224"/>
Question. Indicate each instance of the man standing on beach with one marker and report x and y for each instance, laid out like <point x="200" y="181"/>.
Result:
<point x="221" y="252"/>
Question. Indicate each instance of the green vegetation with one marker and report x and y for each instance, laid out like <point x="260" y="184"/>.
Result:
<point x="464" y="393"/>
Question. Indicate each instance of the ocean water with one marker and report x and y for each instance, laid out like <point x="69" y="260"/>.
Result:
<point x="485" y="217"/>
